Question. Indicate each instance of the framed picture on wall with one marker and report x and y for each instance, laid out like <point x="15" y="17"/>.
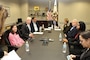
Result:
<point x="36" y="8"/>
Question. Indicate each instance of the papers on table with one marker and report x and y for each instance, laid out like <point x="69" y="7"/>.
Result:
<point x="50" y="28"/>
<point x="11" y="56"/>
<point x="38" y="33"/>
<point x="47" y="29"/>
<point x="57" y="29"/>
<point x="51" y="40"/>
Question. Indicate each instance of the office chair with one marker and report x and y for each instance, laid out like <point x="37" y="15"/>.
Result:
<point x="7" y="42"/>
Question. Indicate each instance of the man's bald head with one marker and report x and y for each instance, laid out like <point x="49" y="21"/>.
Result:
<point x="74" y="22"/>
<point x="28" y="20"/>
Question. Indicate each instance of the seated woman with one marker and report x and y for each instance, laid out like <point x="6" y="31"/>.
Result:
<point x="66" y="26"/>
<point x="14" y="38"/>
<point x="85" y="42"/>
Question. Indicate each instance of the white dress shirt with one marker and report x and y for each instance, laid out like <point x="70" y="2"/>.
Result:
<point x="35" y="26"/>
<point x="29" y="27"/>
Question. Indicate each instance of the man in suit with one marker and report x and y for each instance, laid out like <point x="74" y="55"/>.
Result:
<point x="26" y="29"/>
<point x="34" y="25"/>
<point x="73" y="31"/>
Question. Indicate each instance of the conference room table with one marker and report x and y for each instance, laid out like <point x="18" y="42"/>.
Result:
<point x="40" y="51"/>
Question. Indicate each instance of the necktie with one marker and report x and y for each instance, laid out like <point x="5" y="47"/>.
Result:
<point x="71" y="28"/>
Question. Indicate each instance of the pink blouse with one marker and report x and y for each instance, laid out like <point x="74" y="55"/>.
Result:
<point x="15" y="40"/>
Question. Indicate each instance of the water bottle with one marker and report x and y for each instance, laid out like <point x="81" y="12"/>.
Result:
<point x="60" y="37"/>
<point x="27" y="46"/>
<point x="40" y="29"/>
<point x="52" y="26"/>
<point x="64" y="47"/>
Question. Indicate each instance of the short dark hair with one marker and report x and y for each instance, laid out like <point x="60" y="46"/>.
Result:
<point x="33" y="18"/>
<point x="85" y="34"/>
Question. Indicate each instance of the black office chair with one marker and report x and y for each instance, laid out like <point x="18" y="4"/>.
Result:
<point x="7" y="42"/>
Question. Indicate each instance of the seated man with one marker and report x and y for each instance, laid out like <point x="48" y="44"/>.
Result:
<point x="76" y="41"/>
<point x="26" y="29"/>
<point x="34" y="25"/>
<point x="73" y="31"/>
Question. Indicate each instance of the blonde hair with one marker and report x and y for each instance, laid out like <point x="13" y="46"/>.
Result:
<point x="29" y="18"/>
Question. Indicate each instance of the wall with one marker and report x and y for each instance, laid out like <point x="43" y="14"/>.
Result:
<point x="14" y="10"/>
<point x="74" y="10"/>
<point x="24" y="5"/>
<point x="42" y="4"/>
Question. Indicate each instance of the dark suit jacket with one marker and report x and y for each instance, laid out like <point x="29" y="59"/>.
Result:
<point x="25" y="31"/>
<point x="86" y="56"/>
<point x="75" y="47"/>
<point x="32" y="27"/>
<point x="72" y="33"/>
<point x="1" y="53"/>
<point x="66" y="28"/>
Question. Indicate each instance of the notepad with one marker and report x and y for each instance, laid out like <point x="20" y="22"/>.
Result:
<point x="57" y="29"/>
<point x="11" y="56"/>
<point x="38" y="33"/>
<point x="47" y="29"/>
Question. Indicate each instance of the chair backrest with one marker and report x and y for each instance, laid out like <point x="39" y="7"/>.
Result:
<point x="5" y="37"/>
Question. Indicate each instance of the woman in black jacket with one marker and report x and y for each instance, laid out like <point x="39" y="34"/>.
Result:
<point x="85" y="42"/>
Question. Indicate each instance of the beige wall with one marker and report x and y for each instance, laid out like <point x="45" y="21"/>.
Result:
<point x="18" y="9"/>
<point x="71" y="10"/>
<point x="24" y="5"/>
<point x="14" y="10"/>
<point x="74" y="10"/>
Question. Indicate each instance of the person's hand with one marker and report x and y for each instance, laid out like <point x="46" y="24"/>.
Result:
<point x="65" y="35"/>
<point x="65" y="40"/>
<point x="5" y="53"/>
<point x="71" y="59"/>
<point x="72" y="56"/>
<point x="31" y="35"/>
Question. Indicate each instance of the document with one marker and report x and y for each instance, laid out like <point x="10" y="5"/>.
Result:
<point x="47" y="29"/>
<point x="11" y="56"/>
<point x="38" y="33"/>
<point x="57" y="29"/>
